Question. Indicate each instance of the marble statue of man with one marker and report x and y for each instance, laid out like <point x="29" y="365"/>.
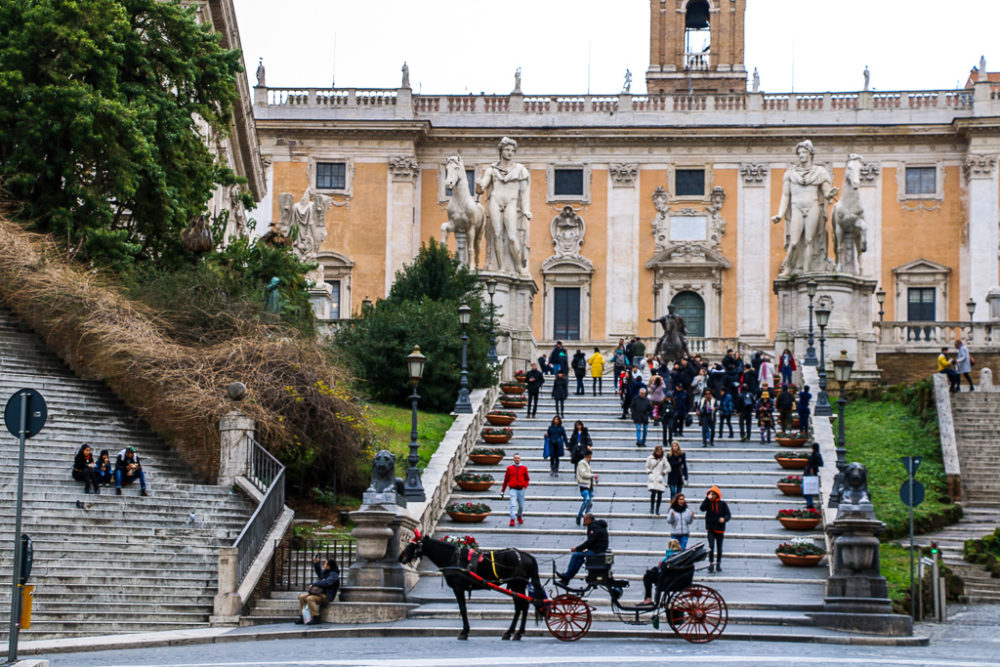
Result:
<point x="505" y="185"/>
<point x="261" y="74"/>
<point x="806" y="190"/>
<point x="305" y="220"/>
<point x="868" y="76"/>
<point x="406" y="76"/>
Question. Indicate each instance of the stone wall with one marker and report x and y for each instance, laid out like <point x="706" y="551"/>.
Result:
<point x="898" y="368"/>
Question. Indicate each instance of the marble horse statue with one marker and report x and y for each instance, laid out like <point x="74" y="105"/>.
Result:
<point x="465" y="215"/>
<point x="849" y="226"/>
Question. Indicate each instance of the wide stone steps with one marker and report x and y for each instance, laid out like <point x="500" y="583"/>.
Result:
<point x="118" y="563"/>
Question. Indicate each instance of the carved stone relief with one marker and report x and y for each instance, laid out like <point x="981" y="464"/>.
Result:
<point x="567" y="231"/>
<point x="753" y="174"/>
<point x="403" y="167"/>
<point x="979" y="166"/>
<point x="623" y="174"/>
<point x="869" y="172"/>
<point x="704" y="225"/>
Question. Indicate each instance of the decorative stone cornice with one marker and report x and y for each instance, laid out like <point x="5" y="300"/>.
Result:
<point x="979" y="166"/>
<point x="623" y="174"/>
<point x="869" y="172"/>
<point x="403" y="167"/>
<point x="753" y="173"/>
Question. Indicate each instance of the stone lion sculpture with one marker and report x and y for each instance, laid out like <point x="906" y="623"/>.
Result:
<point x="384" y="473"/>
<point x="854" y="488"/>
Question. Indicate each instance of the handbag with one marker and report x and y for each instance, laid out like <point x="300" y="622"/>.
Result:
<point x="546" y="450"/>
<point x="688" y="420"/>
<point x="316" y="590"/>
<point x="810" y="485"/>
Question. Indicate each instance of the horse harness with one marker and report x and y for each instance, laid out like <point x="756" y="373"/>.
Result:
<point x="469" y="559"/>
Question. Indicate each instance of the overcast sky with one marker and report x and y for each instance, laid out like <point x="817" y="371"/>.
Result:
<point x="563" y="45"/>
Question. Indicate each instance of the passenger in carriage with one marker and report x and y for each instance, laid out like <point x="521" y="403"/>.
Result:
<point x="653" y="574"/>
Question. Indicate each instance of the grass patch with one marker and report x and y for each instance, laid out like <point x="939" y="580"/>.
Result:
<point x="392" y="431"/>
<point x="879" y="433"/>
<point x="895" y="565"/>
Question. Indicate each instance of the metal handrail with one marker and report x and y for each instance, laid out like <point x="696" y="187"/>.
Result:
<point x="267" y="474"/>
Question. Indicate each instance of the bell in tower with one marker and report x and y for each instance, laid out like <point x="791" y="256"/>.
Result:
<point x="696" y="46"/>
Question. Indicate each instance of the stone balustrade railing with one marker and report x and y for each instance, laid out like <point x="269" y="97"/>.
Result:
<point x="932" y="336"/>
<point x="696" y="108"/>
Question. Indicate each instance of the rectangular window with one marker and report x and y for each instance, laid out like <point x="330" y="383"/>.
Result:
<point x="920" y="306"/>
<point x="921" y="180"/>
<point x="470" y="176"/>
<point x="331" y="175"/>
<point x="689" y="182"/>
<point x="567" y="313"/>
<point x="567" y="182"/>
<point x="334" y="299"/>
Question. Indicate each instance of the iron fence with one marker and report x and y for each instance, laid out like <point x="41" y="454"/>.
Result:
<point x="292" y="565"/>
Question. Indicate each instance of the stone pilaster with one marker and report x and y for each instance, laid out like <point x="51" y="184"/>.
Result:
<point x="979" y="256"/>
<point x="400" y="220"/>
<point x="623" y="244"/>
<point x="753" y="248"/>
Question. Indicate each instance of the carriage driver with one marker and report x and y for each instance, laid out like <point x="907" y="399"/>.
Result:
<point x="596" y="543"/>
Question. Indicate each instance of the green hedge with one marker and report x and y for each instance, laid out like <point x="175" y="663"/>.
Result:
<point x="985" y="551"/>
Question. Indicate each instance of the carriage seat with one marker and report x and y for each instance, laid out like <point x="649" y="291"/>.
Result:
<point x="601" y="561"/>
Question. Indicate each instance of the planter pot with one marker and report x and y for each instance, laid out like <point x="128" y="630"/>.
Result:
<point x="467" y="518"/>
<point x="795" y="523"/>
<point x="800" y="561"/>
<point x="790" y="489"/>
<point x="475" y="486"/>
<point x="795" y="423"/>
<point x="486" y="459"/>
<point x="496" y="439"/>
<point x="792" y="464"/>
<point x="512" y="389"/>
<point x="504" y="420"/>
<point x="791" y="442"/>
<point x="513" y="403"/>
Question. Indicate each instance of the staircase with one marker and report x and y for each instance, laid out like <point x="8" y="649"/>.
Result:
<point x="120" y="563"/>
<point x="759" y="590"/>
<point x="978" y="438"/>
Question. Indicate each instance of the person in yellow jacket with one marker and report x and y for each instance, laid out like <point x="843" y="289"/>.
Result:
<point x="596" y="362"/>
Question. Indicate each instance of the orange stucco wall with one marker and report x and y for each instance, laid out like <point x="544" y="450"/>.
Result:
<point x="595" y="248"/>
<point x="648" y="180"/>
<point x="727" y="179"/>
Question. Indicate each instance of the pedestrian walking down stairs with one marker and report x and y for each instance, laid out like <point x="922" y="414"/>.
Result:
<point x="756" y="586"/>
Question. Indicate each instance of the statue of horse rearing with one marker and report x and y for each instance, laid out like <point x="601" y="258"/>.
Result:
<point x="511" y="567"/>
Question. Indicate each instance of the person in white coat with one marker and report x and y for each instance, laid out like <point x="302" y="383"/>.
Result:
<point x="680" y="517"/>
<point x="963" y="364"/>
<point x="656" y="472"/>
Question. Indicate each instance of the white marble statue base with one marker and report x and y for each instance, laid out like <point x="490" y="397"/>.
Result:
<point x="321" y="299"/>
<point x="514" y="301"/>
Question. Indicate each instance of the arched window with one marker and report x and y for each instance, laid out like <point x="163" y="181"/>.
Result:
<point x="691" y="307"/>
<point x="697" y="35"/>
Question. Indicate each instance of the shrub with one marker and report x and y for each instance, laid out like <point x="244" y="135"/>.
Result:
<point x="985" y="551"/>
<point x="792" y="455"/>
<point x="487" y="451"/>
<point x="467" y="508"/>
<point x="498" y="430"/>
<point x="474" y="477"/>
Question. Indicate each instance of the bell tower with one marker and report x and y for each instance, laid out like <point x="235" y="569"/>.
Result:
<point x="696" y="46"/>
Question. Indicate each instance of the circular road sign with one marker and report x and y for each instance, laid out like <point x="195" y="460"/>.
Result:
<point x="37" y="413"/>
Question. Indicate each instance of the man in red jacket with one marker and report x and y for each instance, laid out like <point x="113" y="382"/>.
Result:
<point x="516" y="480"/>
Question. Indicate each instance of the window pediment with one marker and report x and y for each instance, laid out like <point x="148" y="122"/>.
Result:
<point x="688" y="255"/>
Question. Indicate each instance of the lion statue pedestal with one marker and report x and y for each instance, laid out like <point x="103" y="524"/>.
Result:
<point x="375" y="587"/>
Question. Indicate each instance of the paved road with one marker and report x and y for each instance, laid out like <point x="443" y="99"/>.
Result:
<point x="970" y="638"/>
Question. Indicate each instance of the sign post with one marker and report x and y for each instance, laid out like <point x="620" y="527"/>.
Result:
<point x="24" y="417"/>
<point x="912" y="494"/>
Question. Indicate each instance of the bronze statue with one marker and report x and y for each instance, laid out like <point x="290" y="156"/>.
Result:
<point x="672" y="345"/>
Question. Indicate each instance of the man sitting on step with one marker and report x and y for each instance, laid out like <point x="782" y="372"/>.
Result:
<point x="128" y="469"/>
<point x="321" y="592"/>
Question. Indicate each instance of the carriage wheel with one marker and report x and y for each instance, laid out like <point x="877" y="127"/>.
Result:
<point x="568" y="618"/>
<point x="698" y="614"/>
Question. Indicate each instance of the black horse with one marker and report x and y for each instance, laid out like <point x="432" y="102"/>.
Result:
<point x="511" y="567"/>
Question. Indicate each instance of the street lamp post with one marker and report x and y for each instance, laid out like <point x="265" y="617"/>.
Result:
<point x="842" y="374"/>
<point x="880" y="297"/>
<point x="823" y="408"/>
<point x="491" y="356"/>
<point x="810" y="358"/>
<point x="413" y="488"/>
<point x="463" y="406"/>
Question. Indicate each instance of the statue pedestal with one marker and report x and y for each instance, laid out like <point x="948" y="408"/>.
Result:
<point x="377" y="576"/>
<point x="850" y="327"/>
<point x="514" y="301"/>
<point x="321" y="300"/>
<point x="857" y="595"/>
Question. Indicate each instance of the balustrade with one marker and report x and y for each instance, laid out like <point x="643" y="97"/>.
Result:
<point x="932" y="336"/>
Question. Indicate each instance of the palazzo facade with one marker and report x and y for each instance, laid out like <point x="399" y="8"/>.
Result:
<point x="641" y="201"/>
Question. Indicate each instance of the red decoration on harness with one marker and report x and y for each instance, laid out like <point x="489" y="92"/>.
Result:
<point x="416" y="535"/>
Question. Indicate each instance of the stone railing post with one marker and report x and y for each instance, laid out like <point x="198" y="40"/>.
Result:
<point x="234" y="430"/>
<point x="227" y="605"/>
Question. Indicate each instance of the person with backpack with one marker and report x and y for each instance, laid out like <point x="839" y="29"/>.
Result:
<point x="579" y="443"/>
<point x="619" y="363"/>
<point x="717" y="516"/>
<point x="725" y="403"/>
<point x="746" y="405"/>
<point x="765" y="418"/>
<point x="579" y="364"/>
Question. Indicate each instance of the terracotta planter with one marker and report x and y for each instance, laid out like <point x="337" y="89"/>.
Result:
<point x="795" y="523"/>
<point x="790" y="489"/>
<point x="791" y="442"/>
<point x="467" y="518"/>
<point x="800" y="561"/>
<point x="496" y="439"/>
<point x="792" y="464"/>
<point x="475" y="486"/>
<point x="513" y="403"/>
<point x="512" y="389"/>
<point x="500" y="420"/>
<point x="486" y="459"/>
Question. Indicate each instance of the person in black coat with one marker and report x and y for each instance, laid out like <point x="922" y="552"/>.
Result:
<point x="580" y="443"/>
<point x="813" y="465"/>
<point x="642" y="410"/>
<point x="677" y="477"/>
<point x="745" y="403"/>
<point x="555" y="435"/>
<point x="680" y="409"/>
<point x="559" y="359"/>
<point x="85" y="469"/>
<point x="534" y="379"/>
<point x="596" y="543"/>
<point x="322" y="591"/>
<point x="717" y="516"/>
<point x="560" y="390"/>
<point x="579" y="364"/>
<point x="803" y="409"/>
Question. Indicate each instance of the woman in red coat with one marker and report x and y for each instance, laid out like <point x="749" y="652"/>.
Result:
<point x="786" y="364"/>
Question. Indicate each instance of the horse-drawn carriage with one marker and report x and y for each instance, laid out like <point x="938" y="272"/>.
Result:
<point x="696" y="613"/>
